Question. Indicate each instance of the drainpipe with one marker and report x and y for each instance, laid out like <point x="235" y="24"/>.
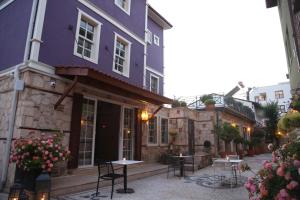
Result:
<point x="18" y="86"/>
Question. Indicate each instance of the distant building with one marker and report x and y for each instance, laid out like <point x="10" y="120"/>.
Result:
<point x="289" y="12"/>
<point x="279" y="93"/>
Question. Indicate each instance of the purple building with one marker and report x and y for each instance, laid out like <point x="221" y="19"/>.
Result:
<point x="87" y="68"/>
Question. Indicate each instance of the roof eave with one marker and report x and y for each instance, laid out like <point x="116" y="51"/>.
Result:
<point x="158" y="18"/>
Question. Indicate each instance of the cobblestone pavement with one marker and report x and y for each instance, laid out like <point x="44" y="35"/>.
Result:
<point x="175" y="188"/>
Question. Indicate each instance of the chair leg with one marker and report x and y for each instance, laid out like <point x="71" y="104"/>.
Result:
<point x="112" y="188"/>
<point x="97" y="186"/>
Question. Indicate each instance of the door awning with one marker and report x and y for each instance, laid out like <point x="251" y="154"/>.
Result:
<point x="97" y="79"/>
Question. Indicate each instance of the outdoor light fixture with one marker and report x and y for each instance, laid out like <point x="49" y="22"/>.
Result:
<point x="249" y="129"/>
<point x="233" y="124"/>
<point x="43" y="186"/>
<point x="17" y="192"/>
<point x="145" y="115"/>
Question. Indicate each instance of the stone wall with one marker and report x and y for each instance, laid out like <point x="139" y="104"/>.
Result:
<point x="178" y="123"/>
<point x="6" y="93"/>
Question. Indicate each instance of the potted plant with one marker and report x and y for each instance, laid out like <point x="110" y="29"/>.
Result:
<point x="238" y="140"/>
<point x="35" y="154"/>
<point x="208" y="101"/>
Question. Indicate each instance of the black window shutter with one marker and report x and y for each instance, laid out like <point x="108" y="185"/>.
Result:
<point x="75" y="130"/>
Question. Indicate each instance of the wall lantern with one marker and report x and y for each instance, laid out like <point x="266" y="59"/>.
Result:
<point x="144" y="115"/>
<point x="42" y="187"/>
<point x="17" y="192"/>
<point x="233" y="124"/>
<point x="248" y="129"/>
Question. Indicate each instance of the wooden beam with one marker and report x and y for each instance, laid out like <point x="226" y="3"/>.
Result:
<point x="156" y="111"/>
<point x="66" y="93"/>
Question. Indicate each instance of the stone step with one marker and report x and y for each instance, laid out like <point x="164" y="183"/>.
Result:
<point x="86" y="179"/>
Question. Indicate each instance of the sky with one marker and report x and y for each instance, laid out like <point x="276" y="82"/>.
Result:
<point x="214" y="44"/>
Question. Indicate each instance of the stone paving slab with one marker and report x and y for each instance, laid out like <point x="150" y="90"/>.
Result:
<point x="160" y="188"/>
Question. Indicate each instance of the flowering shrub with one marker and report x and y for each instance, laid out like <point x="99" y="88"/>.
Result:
<point x="38" y="153"/>
<point x="280" y="177"/>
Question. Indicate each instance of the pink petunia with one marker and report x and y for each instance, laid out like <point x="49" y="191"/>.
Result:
<point x="297" y="163"/>
<point x="252" y="188"/>
<point x="280" y="171"/>
<point x="283" y="193"/>
<point x="292" y="185"/>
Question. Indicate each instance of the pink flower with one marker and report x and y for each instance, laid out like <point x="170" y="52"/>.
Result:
<point x="29" y="141"/>
<point x="280" y="171"/>
<point x="46" y="152"/>
<point x="252" y="188"/>
<point x="292" y="185"/>
<point x="50" y="165"/>
<point x="283" y="193"/>
<point x="299" y="171"/>
<point x="271" y="147"/>
<point x="263" y="190"/>
<point x="297" y="163"/>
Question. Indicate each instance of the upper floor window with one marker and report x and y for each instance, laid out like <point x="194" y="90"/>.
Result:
<point x="152" y="132"/>
<point x="156" y="40"/>
<point x="281" y="108"/>
<point x="87" y="38"/>
<point x="124" y="5"/>
<point x="121" y="56"/>
<point x="149" y="37"/>
<point x="154" y="84"/>
<point x="279" y="94"/>
<point x="164" y="131"/>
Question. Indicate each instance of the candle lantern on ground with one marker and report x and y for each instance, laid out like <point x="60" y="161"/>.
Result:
<point x="17" y="192"/>
<point x="43" y="186"/>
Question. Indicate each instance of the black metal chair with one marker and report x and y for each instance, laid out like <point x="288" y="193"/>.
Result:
<point x="190" y="162"/>
<point x="106" y="172"/>
<point x="173" y="164"/>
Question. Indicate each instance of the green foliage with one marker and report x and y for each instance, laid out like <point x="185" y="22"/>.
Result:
<point x="295" y="104"/>
<point x="238" y="106"/>
<point x="257" y="136"/>
<point x="177" y="103"/>
<point x="238" y="140"/>
<point x="206" y="97"/>
<point x="272" y="115"/>
<point x="289" y="121"/>
<point x="227" y="132"/>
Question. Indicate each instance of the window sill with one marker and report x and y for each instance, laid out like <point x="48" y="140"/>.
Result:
<point x="120" y="73"/>
<point x="95" y="61"/>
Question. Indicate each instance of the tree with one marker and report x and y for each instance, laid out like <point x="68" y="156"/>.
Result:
<point x="238" y="140"/>
<point x="228" y="133"/>
<point x="272" y="116"/>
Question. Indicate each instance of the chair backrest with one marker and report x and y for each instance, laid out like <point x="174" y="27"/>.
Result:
<point x="173" y="161"/>
<point x="105" y="167"/>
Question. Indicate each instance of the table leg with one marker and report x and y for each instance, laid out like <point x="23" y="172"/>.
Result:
<point x="181" y="166"/>
<point x="125" y="189"/>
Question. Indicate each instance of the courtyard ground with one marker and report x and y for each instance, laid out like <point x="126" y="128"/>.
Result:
<point x="194" y="186"/>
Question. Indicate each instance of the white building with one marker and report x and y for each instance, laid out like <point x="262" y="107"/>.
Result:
<point x="279" y="93"/>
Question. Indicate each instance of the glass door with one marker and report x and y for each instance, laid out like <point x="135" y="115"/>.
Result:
<point x="87" y="133"/>
<point x="128" y="134"/>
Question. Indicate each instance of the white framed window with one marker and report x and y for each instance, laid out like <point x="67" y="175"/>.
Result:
<point x="149" y="37"/>
<point x="154" y="83"/>
<point x="279" y="94"/>
<point x="124" y="5"/>
<point x="281" y="108"/>
<point x="164" y="131"/>
<point x="156" y="40"/>
<point x="87" y="40"/>
<point x="121" y="60"/>
<point x="152" y="131"/>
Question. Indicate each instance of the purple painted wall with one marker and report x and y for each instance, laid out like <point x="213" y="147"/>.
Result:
<point x="161" y="82"/>
<point x="134" y="22"/>
<point x="14" y="22"/>
<point x="58" y="41"/>
<point x="155" y="54"/>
